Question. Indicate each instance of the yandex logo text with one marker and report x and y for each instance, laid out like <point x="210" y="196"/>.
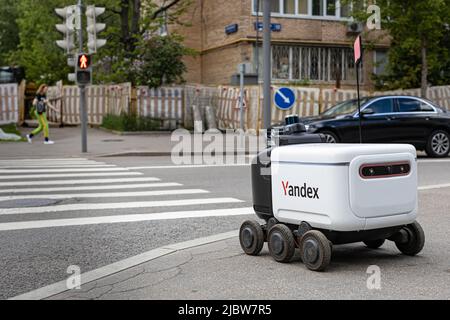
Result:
<point x="301" y="192"/>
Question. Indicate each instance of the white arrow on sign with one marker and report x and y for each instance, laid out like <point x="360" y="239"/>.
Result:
<point x="286" y="99"/>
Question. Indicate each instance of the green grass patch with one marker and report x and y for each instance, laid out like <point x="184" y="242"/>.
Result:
<point x="130" y="123"/>
<point x="11" y="128"/>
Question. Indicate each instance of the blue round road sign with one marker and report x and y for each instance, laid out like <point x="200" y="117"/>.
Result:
<point x="284" y="98"/>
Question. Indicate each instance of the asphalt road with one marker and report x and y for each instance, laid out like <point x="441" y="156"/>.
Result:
<point x="34" y="257"/>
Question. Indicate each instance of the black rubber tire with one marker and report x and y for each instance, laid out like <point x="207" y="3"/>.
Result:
<point x="374" y="244"/>
<point x="331" y="134"/>
<point x="322" y="255"/>
<point x="415" y="242"/>
<point x="256" y="243"/>
<point x="429" y="148"/>
<point x="285" y="238"/>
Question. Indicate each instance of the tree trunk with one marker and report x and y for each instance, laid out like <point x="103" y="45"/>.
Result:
<point x="136" y="16"/>
<point x="424" y="81"/>
<point x="124" y="16"/>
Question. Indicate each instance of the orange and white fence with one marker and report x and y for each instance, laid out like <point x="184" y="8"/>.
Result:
<point x="9" y="103"/>
<point x="101" y="100"/>
<point x="172" y="106"/>
<point x="309" y="102"/>
<point x="164" y="104"/>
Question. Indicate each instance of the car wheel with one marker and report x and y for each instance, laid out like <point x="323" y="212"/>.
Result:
<point x="438" y="145"/>
<point x="330" y="137"/>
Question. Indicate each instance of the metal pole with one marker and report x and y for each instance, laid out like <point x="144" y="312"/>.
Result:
<point x="241" y="100"/>
<point x="257" y="40"/>
<point x="359" y="103"/>
<point x="82" y="88"/>
<point x="267" y="66"/>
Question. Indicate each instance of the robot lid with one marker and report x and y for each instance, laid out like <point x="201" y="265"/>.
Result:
<point x="336" y="153"/>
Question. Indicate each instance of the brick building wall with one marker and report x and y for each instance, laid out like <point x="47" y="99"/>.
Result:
<point x="219" y="53"/>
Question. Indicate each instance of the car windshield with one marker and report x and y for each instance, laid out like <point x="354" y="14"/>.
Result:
<point x="344" y="108"/>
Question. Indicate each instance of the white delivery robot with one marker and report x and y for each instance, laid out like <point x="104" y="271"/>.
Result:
<point x="316" y="195"/>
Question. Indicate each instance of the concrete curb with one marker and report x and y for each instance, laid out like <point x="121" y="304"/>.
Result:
<point x="90" y="276"/>
<point x="136" y="133"/>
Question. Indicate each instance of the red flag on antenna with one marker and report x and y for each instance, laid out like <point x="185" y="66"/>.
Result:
<point x="357" y="47"/>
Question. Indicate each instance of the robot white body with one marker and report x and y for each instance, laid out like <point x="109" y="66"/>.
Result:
<point x="316" y="195"/>
<point x="325" y="186"/>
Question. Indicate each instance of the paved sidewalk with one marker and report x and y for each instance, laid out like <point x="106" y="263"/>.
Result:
<point x="100" y="143"/>
<point x="221" y="271"/>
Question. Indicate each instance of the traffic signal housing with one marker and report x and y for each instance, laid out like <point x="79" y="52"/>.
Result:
<point x="93" y="28"/>
<point x="69" y="14"/>
<point x="84" y="69"/>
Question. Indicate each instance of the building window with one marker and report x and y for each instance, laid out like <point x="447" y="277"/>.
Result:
<point x="331" y="7"/>
<point x="380" y="62"/>
<point x="303" y="7"/>
<point x="319" y="9"/>
<point x="289" y="6"/>
<point x="316" y="64"/>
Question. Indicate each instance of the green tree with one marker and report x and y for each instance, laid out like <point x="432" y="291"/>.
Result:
<point x="129" y="22"/>
<point x="9" y="37"/>
<point x="419" y="52"/>
<point x="37" y="52"/>
<point x="159" y="61"/>
<point x="133" y="35"/>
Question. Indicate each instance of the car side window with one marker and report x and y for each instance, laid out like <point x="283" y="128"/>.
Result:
<point x="382" y="106"/>
<point x="413" y="105"/>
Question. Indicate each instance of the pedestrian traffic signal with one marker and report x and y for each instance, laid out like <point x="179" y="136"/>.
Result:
<point x="84" y="61"/>
<point x="93" y="28"/>
<point x="84" y="69"/>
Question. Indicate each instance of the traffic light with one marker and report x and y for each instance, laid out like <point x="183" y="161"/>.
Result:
<point x="93" y="28"/>
<point x="69" y="14"/>
<point x="84" y="68"/>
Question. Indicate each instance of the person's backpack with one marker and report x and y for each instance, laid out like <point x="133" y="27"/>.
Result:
<point x="40" y="107"/>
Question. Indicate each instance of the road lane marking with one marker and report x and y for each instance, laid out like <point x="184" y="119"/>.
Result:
<point x="117" y="205"/>
<point x="433" y="160"/>
<point x="76" y="182"/>
<point x="62" y="170"/>
<point x="190" y="166"/>
<point x="106" y="194"/>
<point x="39" y="224"/>
<point x="100" y="187"/>
<point x="436" y="186"/>
<point x="116" y="267"/>
<point x="70" y="175"/>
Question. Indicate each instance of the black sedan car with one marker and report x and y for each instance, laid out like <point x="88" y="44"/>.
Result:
<point x="387" y="119"/>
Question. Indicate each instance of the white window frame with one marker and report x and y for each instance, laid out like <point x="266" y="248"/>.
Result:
<point x="297" y="15"/>
<point x="324" y="76"/>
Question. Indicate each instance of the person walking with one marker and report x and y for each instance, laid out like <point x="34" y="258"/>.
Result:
<point x="41" y="103"/>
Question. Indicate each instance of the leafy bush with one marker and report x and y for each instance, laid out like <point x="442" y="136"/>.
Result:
<point x="130" y="123"/>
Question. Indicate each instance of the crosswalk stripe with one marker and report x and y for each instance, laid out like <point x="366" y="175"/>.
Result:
<point x="9" y="226"/>
<point x="43" y="159"/>
<point x="106" y="195"/>
<point x="64" y="170"/>
<point x="70" y="175"/>
<point x="75" y="182"/>
<point x="60" y="166"/>
<point x="118" y="205"/>
<point x="100" y="187"/>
